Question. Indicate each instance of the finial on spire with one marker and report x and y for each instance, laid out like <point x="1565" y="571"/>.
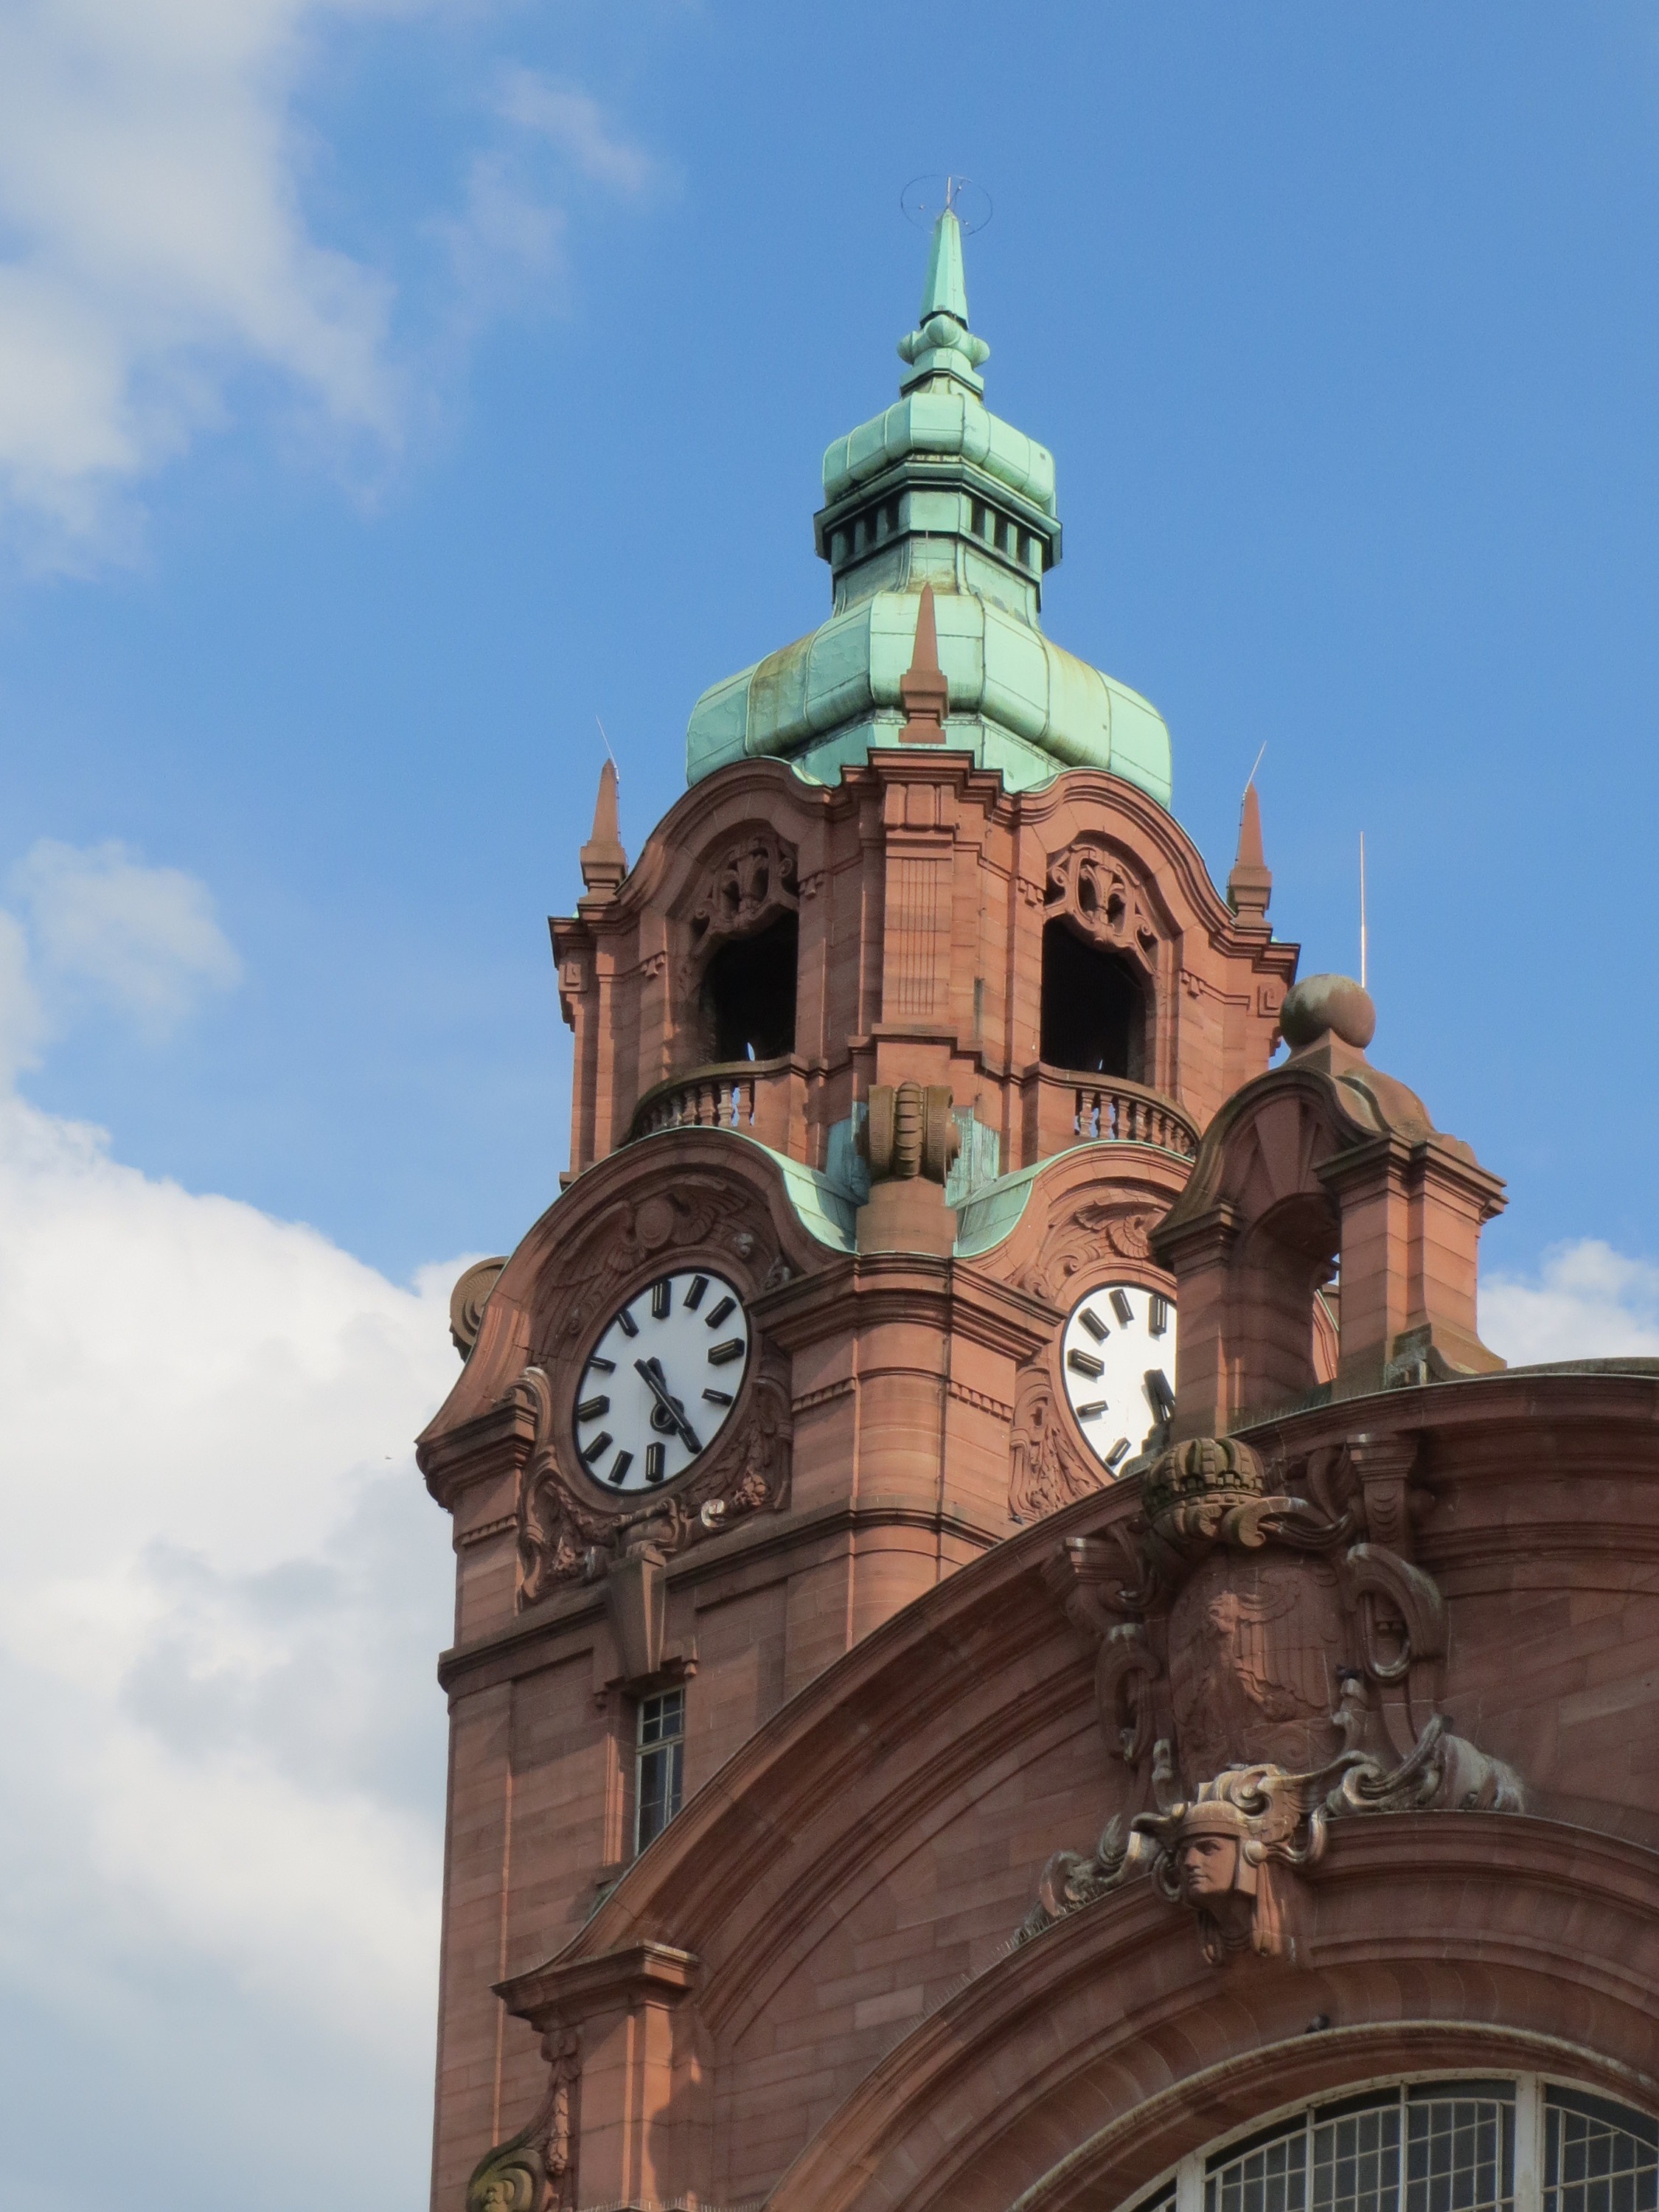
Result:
<point x="604" y="863"/>
<point x="1250" y="887"/>
<point x="943" y="345"/>
<point x="923" y="691"/>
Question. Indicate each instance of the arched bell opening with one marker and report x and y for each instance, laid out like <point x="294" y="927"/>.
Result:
<point x="1096" y="1009"/>
<point x="748" y="994"/>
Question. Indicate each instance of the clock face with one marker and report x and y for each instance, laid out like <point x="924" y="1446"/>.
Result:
<point x="1118" y="1357"/>
<point x="660" y="1383"/>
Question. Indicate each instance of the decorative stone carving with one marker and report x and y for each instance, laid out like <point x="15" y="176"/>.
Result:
<point x="909" y="1131"/>
<point x="565" y="1534"/>
<point x="694" y="1211"/>
<point x="466" y="1303"/>
<point x="1094" y="887"/>
<point x="534" y="2170"/>
<point x="1092" y="1233"/>
<point x="1048" y="1469"/>
<point x="1259" y="1659"/>
<point x="747" y="885"/>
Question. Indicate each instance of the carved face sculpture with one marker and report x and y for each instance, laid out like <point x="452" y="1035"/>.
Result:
<point x="1209" y="1867"/>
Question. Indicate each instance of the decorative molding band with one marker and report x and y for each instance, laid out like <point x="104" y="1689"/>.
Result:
<point x="499" y="1526"/>
<point x="980" y="1401"/>
<point x="844" y="1389"/>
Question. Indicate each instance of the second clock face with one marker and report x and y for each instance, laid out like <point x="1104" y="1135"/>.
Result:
<point x="660" y="1383"/>
<point x="1118" y="1355"/>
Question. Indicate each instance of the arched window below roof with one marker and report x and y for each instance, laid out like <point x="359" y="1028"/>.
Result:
<point x="1508" y="2143"/>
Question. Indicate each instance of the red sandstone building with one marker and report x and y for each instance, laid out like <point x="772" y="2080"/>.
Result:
<point x="1013" y="1647"/>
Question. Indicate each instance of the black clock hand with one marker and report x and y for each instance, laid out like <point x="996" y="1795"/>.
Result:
<point x="652" y="1371"/>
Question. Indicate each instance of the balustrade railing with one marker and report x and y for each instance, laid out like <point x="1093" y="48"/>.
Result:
<point x="734" y="1095"/>
<point x="1113" y="1111"/>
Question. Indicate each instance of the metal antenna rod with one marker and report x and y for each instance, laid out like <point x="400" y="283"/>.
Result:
<point x="607" y="747"/>
<point x="1250" y="778"/>
<point x="1362" y="910"/>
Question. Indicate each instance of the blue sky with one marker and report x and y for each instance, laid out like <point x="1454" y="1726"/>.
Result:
<point x="389" y="387"/>
<point x="1341" y="325"/>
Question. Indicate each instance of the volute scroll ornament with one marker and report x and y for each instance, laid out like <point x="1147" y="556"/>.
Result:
<point x="534" y="2170"/>
<point x="1263" y="1665"/>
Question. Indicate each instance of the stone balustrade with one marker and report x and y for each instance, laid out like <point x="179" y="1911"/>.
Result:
<point x="754" y="1097"/>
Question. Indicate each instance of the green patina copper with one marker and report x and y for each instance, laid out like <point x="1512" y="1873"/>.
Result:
<point x="935" y="490"/>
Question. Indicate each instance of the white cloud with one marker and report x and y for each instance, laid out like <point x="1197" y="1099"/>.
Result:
<point x="1586" y="1302"/>
<point x="575" y="123"/>
<point x="154" y="243"/>
<point x="143" y="940"/>
<point x="507" y="246"/>
<point x="154" y="240"/>
<point x="220" y="1781"/>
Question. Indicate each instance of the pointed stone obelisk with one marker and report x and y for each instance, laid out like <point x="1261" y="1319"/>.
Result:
<point x="1250" y="886"/>
<point x="604" y="863"/>
<point x="923" y="692"/>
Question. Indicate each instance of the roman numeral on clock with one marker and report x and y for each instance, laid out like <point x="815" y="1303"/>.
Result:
<point x="718" y="1397"/>
<point x="694" y="1291"/>
<point x="655" y="1457"/>
<point x="725" y="1306"/>
<point x="619" y="1467"/>
<point x="590" y="1408"/>
<point x="1084" y="1363"/>
<point x="1092" y="1321"/>
<point x="662" y="1299"/>
<point x="627" y="1323"/>
<point x="601" y="1443"/>
<point x="1122" y="1308"/>
<point x="722" y="1355"/>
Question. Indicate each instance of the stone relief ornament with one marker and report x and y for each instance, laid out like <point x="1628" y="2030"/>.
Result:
<point x="533" y="2170"/>
<point x="747" y="884"/>
<point x="1090" y="1236"/>
<point x="1261" y="1661"/>
<point x="466" y="1303"/>
<point x="564" y="1535"/>
<point x="1048" y="1468"/>
<point x="1095" y="888"/>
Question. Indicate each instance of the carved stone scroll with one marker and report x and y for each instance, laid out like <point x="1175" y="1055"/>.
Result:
<point x="534" y="2170"/>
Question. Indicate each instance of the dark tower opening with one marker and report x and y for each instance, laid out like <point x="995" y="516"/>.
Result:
<point x="749" y="993"/>
<point x="1094" y="1008"/>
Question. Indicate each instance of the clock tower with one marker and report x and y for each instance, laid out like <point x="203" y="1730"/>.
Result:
<point x="892" y="1050"/>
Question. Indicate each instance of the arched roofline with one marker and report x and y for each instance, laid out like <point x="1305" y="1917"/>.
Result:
<point x="1429" y="1940"/>
<point x="676" y="846"/>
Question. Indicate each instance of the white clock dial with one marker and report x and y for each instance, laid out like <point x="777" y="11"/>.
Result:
<point x="660" y="1383"/>
<point x="1118" y="1358"/>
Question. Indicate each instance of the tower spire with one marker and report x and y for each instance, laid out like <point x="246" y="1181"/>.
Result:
<point x="1250" y="887"/>
<point x="942" y="348"/>
<point x="604" y="863"/>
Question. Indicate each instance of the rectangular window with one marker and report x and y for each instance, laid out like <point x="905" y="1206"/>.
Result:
<point x="658" y="1765"/>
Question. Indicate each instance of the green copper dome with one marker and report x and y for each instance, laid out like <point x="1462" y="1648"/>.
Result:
<point x="939" y="491"/>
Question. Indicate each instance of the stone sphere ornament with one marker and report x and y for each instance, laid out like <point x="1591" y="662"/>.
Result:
<point x="1334" y="1003"/>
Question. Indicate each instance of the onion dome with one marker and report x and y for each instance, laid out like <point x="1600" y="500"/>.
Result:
<point x="938" y="491"/>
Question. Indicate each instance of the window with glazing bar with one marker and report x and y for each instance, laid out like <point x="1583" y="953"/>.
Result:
<point x="657" y="1764"/>
<point x="1515" y="2145"/>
